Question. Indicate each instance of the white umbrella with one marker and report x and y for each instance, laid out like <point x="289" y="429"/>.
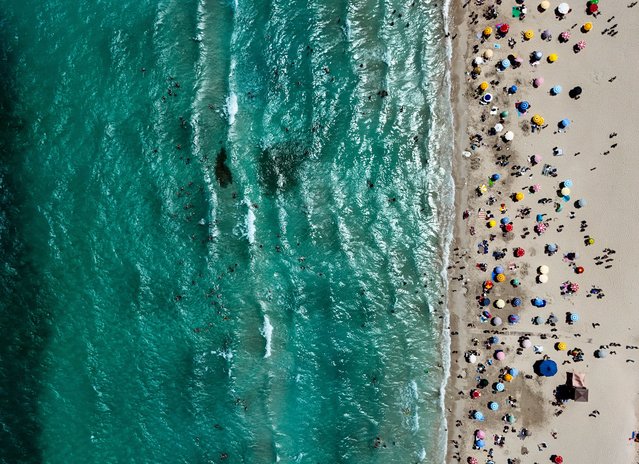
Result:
<point x="526" y="343"/>
<point x="472" y="359"/>
<point x="478" y="60"/>
<point x="543" y="269"/>
<point x="563" y="8"/>
<point x="543" y="279"/>
<point x="500" y="303"/>
<point x="509" y="136"/>
<point x="499" y="127"/>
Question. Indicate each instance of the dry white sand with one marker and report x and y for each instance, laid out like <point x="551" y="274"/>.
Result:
<point x="611" y="217"/>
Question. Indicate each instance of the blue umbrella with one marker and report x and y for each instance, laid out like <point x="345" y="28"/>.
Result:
<point x="538" y="320"/>
<point x="574" y="317"/>
<point x="556" y="90"/>
<point x="513" y="89"/>
<point x="537" y="55"/>
<point x="551" y="247"/>
<point x="487" y="98"/>
<point x="485" y="302"/>
<point x="478" y="416"/>
<point x="505" y="63"/>
<point x="546" y="368"/>
<point x="495" y="177"/>
<point x="515" y="282"/>
<point x="513" y="371"/>
<point x="480" y="443"/>
<point x="581" y="203"/>
<point x="564" y="123"/>
<point x="537" y="302"/>
<point x="516" y="302"/>
<point x="523" y="106"/>
<point x="494" y="339"/>
<point x="567" y="183"/>
<point x="498" y="270"/>
<point x="493" y="406"/>
<point x="499" y="387"/>
<point x="505" y="220"/>
<point x="513" y="318"/>
<point x="540" y="218"/>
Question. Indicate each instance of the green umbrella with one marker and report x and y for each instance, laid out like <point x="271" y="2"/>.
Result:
<point x="594" y="2"/>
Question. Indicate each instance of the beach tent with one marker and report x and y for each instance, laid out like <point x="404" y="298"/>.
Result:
<point x="546" y="368"/>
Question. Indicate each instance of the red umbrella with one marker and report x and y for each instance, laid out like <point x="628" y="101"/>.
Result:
<point x="579" y="270"/>
<point x="558" y="460"/>
<point x="475" y="394"/>
<point x="472" y="460"/>
<point x="592" y="8"/>
<point x="504" y="28"/>
<point x="574" y="287"/>
<point x="508" y="227"/>
<point x="519" y="252"/>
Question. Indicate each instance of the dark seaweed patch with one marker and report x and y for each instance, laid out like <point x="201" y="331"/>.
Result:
<point x="222" y="171"/>
<point x="279" y="165"/>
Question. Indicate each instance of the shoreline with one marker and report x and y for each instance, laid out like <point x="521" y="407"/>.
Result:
<point x="533" y="402"/>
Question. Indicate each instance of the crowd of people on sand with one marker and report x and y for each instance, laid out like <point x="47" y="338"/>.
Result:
<point x="496" y="210"/>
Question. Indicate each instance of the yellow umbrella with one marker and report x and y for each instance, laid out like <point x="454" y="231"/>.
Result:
<point x="476" y="70"/>
<point x="587" y="27"/>
<point x="552" y="57"/>
<point x="483" y="189"/>
<point x="492" y="223"/>
<point x="500" y="277"/>
<point x="508" y="378"/>
<point x="538" y="120"/>
<point x="483" y="85"/>
<point x="519" y="196"/>
<point x="529" y="34"/>
<point x="487" y="31"/>
<point x="590" y="241"/>
<point x="544" y="5"/>
<point x="561" y="346"/>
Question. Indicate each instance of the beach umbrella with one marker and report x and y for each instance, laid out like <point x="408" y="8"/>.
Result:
<point x="587" y="27"/>
<point x="472" y="460"/>
<point x="516" y="302"/>
<point x="565" y="191"/>
<point x="552" y="57"/>
<point x="580" y="45"/>
<point x="488" y="54"/>
<point x="515" y="282"/>
<point x="537" y="302"/>
<point x="508" y="378"/>
<point x="526" y="343"/>
<point x="494" y="339"/>
<point x="483" y="383"/>
<point x="500" y="355"/>
<point x="564" y="36"/>
<point x="546" y="368"/>
<point x="477" y="70"/>
<point x="493" y="406"/>
<point x="505" y="220"/>
<point x="580" y="203"/>
<point x="556" y="90"/>
<point x="487" y="31"/>
<point x="579" y="270"/>
<point x="504" y="28"/>
<point x="563" y="8"/>
<point x="543" y="269"/>
<point x="540" y="228"/>
<point x="574" y="287"/>
<point x="519" y="196"/>
<point x="538" y="82"/>
<point x="488" y="284"/>
<point x="558" y="460"/>
<point x="546" y="35"/>
<point x="500" y="303"/>
<point x="480" y="444"/>
<point x="472" y="358"/>
<point x="474" y="394"/>
<point x="478" y="415"/>
<point x="484" y="301"/>
<point x="503" y="114"/>
<point x="509" y="136"/>
<point x="487" y="98"/>
<point x="483" y="86"/>
<point x="601" y="353"/>
<point x="511" y="419"/>
<point x="523" y="106"/>
<point x="500" y="278"/>
<point x="500" y="387"/>
<point x="505" y="63"/>
<point x="498" y="127"/>
<point x="529" y="34"/>
<point x="536" y="159"/>
<point x="561" y="346"/>
<point x="513" y="371"/>
<point x="496" y="321"/>
<point x="492" y="223"/>
<point x="574" y="317"/>
<point x="551" y="247"/>
<point x="542" y="279"/>
<point x="567" y="183"/>
<point x="519" y="252"/>
<point x="513" y="318"/>
<point x="519" y="60"/>
<point x="536" y="56"/>
<point x="512" y="89"/>
<point x="593" y="8"/>
<point x="478" y="60"/>
<point x="498" y="270"/>
<point x="544" y="5"/>
<point x="538" y="320"/>
<point x="508" y="227"/>
<point x="538" y="120"/>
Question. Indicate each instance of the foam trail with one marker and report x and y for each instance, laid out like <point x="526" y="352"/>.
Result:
<point x="267" y="333"/>
<point x="250" y="223"/>
<point x="231" y="107"/>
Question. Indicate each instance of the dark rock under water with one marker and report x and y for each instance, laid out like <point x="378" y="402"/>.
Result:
<point x="222" y="172"/>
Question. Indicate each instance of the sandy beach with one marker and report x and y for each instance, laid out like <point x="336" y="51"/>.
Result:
<point x="564" y="294"/>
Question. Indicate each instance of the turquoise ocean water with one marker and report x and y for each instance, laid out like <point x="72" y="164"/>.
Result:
<point x="223" y="228"/>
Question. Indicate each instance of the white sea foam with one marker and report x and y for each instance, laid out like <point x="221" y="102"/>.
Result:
<point x="231" y="107"/>
<point x="250" y="223"/>
<point x="267" y="333"/>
